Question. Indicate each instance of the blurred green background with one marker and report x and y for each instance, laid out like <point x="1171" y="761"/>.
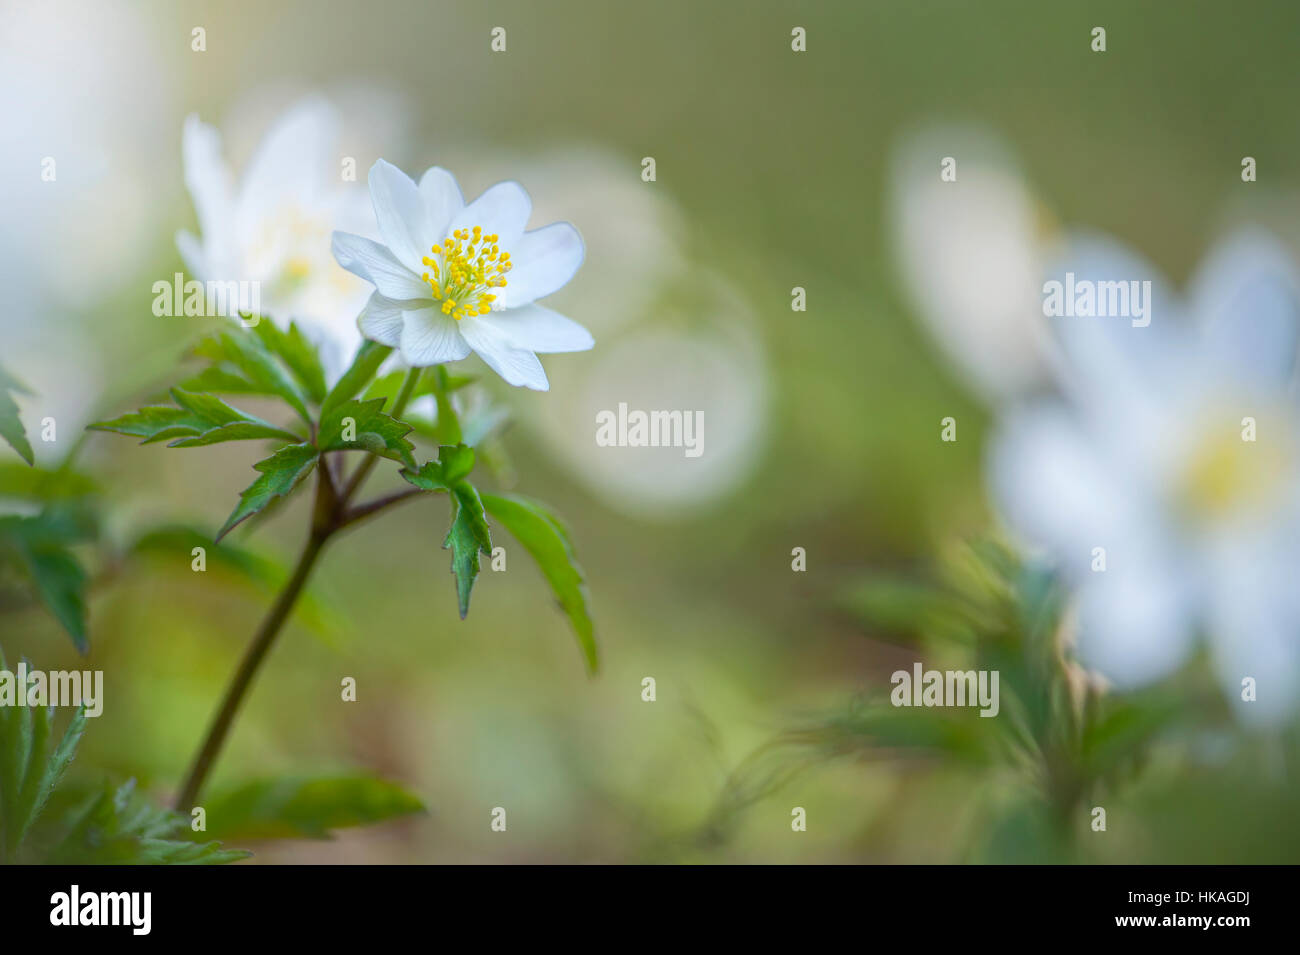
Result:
<point x="772" y="172"/>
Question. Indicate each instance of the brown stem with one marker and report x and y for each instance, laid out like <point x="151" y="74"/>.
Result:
<point x="253" y="656"/>
<point x="330" y="515"/>
<point x="362" y="511"/>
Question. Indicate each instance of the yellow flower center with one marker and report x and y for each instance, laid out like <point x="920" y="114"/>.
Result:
<point x="1227" y="475"/>
<point x="462" y="271"/>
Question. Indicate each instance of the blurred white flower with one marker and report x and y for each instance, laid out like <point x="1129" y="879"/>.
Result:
<point x="1145" y="456"/>
<point x="440" y="275"/>
<point x="274" y="228"/>
<point x="971" y="256"/>
<point x="79" y="161"/>
<point x="707" y="362"/>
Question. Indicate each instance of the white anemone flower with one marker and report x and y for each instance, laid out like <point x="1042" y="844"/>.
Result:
<point x="452" y="278"/>
<point x="1176" y="448"/>
<point x="274" y="229"/>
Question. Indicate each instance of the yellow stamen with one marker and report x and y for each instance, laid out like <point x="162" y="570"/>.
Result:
<point x="471" y="266"/>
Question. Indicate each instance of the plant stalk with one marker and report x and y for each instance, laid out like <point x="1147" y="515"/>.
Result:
<point x="330" y="515"/>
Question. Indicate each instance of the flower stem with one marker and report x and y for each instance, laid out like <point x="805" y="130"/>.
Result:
<point x="330" y="515"/>
<point x="238" y="688"/>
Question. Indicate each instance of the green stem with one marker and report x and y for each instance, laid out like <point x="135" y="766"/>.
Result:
<point x="248" y="667"/>
<point x="330" y="515"/>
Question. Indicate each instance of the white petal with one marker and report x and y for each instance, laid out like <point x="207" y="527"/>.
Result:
<point x="1106" y="361"/>
<point x="1062" y="489"/>
<point x="1254" y="616"/>
<point x="516" y="365"/>
<point x="208" y="179"/>
<point x="502" y="209"/>
<point x="381" y="321"/>
<point x="292" y="163"/>
<point x="1247" y="296"/>
<point x="971" y="257"/>
<point x="430" y="338"/>
<point x="545" y="259"/>
<point x="442" y="200"/>
<point x="1134" y="625"/>
<point x="374" y="263"/>
<point x="191" y="250"/>
<point x="399" y="210"/>
<point x="539" y="329"/>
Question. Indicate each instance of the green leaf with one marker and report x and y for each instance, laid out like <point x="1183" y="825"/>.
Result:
<point x="41" y="548"/>
<point x="298" y="354"/>
<point x="281" y="473"/>
<point x="198" y="419"/>
<point x="11" y="426"/>
<point x="113" y="827"/>
<point x="307" y="808"/>
<point x="367" y="361"/>
<point x="362" y="426"/>
<point x="172" y="546"/>
<point x="467" y="537"/>
<point x="119" y="827"/>
<point x="245" y="364"/>
<point x="155" y="423"/>
<point x="546" y="538"/>
<point x="30" y="773"/>
<point x="453" y="465"/>
<point x="19" y="480"/>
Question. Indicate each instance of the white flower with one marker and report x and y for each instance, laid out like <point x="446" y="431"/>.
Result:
<point x="1146" y="456"/>
<point x="452" y="278"/>
<point x="274" y="228"/>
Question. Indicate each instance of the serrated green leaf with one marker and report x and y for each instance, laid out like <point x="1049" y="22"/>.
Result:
<point x="452" y="466"/>
<point x="367" y="361"/>
<point x="298" y="354"/>
<point x="155" y="423"/>
<point x="546" y="538"/>
<point x="120" y="827"/>
<point x="199" y="419"/>
<point x="241" y="351"/>
<point x="307" y="808"/>
<point x="369" y="430"/>
<point x="11" y="426"/>
<point x="280" y="474"/>
<point x="41" y="781"/>
<point x="427" y="478"/>
<point x="467" y="537"/>
<point x="229" y="424"/>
